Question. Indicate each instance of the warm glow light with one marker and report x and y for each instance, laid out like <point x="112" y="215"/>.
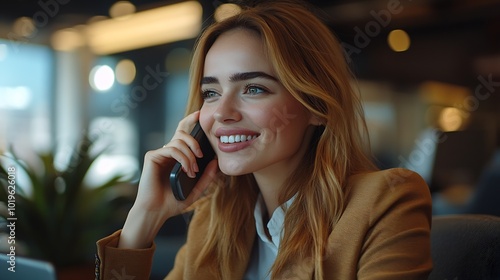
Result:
<point x="226" y="11"/>
<point x="451" y="119"/>
<point x="102" y="77"/>
<point x="24" y="26"/>
<point x="121" y="8"/>
<point x="399" y="40"/>
<point x="148" y="28"/>
<point x="67" y="39"/>
<point x="435" y="92"/>
<point x="125" y="71"/>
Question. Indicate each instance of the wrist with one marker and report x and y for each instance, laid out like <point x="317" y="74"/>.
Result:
<point x="140" y="229"/>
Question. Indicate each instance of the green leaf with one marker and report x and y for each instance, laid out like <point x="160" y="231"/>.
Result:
<point x="62" y="218"/>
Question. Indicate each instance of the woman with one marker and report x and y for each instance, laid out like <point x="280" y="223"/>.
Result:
<point x="291" y="193"/>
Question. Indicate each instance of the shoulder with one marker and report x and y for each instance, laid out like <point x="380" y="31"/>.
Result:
<point x="385" y="227"/>
<point x="388" y="177"/>
<point x="391" y="189"/>
<point x="395" y="180"/>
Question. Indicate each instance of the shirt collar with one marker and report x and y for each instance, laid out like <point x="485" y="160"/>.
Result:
<point x="275" y="224"/>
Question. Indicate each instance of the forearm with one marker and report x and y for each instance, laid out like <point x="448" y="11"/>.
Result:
<point x="140" y="229"/>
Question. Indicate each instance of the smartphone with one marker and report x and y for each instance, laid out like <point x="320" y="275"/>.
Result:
<point x="181" y="183"/>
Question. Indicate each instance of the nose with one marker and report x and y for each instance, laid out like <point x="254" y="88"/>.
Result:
<point x="227" y="110"/>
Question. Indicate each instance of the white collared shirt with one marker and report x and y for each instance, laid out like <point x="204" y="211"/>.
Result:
<point x="265" y="250"/>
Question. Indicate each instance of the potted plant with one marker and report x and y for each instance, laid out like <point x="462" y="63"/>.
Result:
<point x="61" y="218"/>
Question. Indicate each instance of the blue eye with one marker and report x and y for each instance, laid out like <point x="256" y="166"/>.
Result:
<point x="254" y="90"/>
<point x="208" y="94"/>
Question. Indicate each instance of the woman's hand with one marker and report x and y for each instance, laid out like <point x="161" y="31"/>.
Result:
<point x="155" y="202"/>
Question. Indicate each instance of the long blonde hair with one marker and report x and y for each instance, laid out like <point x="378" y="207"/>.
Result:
<point x="310" y="63"/>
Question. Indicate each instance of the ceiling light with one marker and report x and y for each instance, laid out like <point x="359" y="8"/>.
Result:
<point x="24" y="26"/>
<point x="101" y="78"/>
<point x="67" y="39"/>
<point x="451" y="119"/>
<point x="125" y="71"/>
<point x="121" y="8"/>
<point x="399" y="40"/>
<point x="144" y="29"/>
<point x="226" y="11"/>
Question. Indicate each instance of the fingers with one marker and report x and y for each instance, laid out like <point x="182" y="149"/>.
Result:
<point x="184" y="129"/>
<point x="181" y="152"/>
<point x="187" y="123"/>
<point x="183" y="147"/>
<point x="188" y="140"/>
<point x="155" y="194"/>
<point x="209" y="176"/>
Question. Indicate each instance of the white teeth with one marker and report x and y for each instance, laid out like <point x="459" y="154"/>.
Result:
<point x="236" y="138"/>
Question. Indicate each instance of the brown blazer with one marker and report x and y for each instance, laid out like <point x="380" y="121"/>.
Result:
<point x="384" y="233"/>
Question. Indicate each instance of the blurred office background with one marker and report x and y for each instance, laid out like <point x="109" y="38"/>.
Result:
<point x="428" y="72"/>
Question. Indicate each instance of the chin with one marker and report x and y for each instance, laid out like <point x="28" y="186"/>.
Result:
<point x="232" y="169"/>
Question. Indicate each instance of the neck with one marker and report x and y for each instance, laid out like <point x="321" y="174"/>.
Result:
<point x="272" y="179"/>
<point x="270" y="191"/>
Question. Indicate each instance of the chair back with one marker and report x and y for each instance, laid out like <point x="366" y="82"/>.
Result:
<point x="465" y="247"/>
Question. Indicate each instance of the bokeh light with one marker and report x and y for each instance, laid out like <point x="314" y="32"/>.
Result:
<point x="67" y="39"/>
<point x="102" y="78"/>
<point x="121" y="8"/>
<point x="125" y="71"/>
<point x="225" y="11"/>
<point x="451" y="119"/>
<point x="24" y="26"/>
<point x="399" y="40"/>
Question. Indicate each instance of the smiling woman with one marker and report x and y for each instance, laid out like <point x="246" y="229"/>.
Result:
<point x="291" y="192"/>
<point x="241" y="95"/>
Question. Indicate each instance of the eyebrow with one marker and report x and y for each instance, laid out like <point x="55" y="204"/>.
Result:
<point x="236" y="77"/>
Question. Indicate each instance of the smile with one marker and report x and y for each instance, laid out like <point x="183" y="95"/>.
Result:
<point x="229" y="139"/>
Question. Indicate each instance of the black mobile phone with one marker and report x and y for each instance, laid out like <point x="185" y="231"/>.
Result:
<point x="181" y="183"/>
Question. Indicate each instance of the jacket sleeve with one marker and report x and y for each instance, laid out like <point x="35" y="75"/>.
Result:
<point x="115" y="263"/>
<point x="177" y="271"/>
<point x="397" y="242"/>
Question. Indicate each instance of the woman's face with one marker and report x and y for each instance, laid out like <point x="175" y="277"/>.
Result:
<point x="252" y="121"/>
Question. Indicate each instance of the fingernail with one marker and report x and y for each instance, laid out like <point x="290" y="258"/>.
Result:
<point x="195" y="167"/>
<point x="199" y="153"/>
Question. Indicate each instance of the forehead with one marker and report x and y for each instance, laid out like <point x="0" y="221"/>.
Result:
<point x="237" y="50"/>
<point x="235" y="35"/>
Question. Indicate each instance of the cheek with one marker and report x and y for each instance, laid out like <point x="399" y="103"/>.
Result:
<point x="285" y="117"/>
<point x="205" y="119"/>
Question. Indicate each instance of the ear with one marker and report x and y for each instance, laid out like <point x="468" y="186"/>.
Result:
<point x="315" y="120"/>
